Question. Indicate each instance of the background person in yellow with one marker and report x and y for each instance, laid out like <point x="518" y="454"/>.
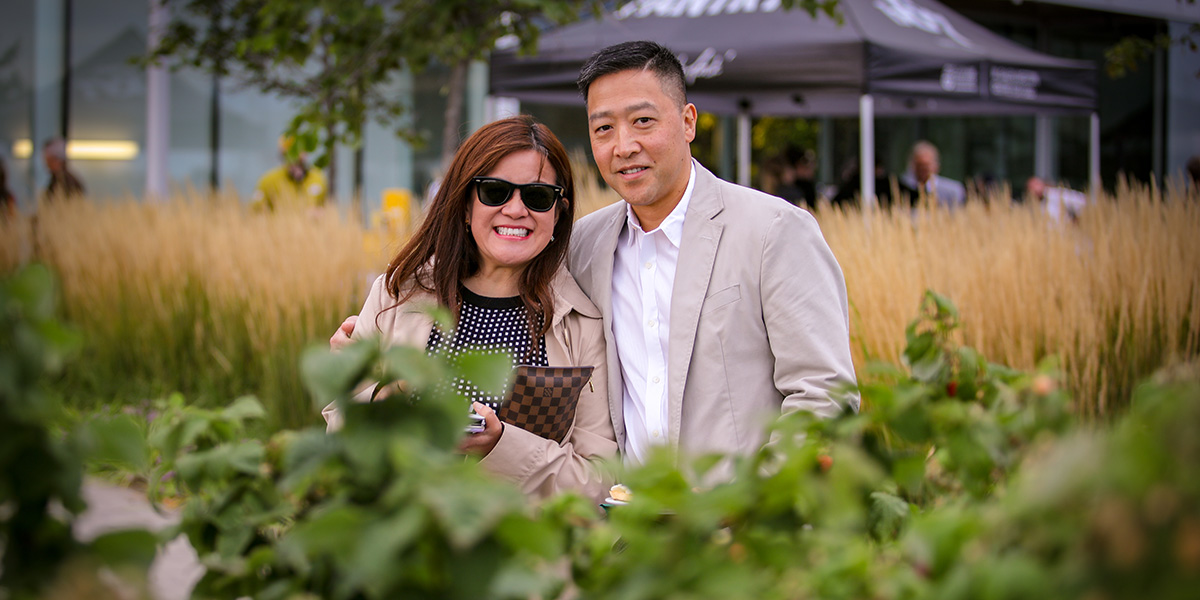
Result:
<point x="294" y="184"/>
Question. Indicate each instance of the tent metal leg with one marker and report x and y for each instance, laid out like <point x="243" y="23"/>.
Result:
<point x="866" y="149"/>
<point x="743" y="148"/>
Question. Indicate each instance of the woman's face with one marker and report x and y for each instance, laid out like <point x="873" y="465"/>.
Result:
<point x="510" y="236"/>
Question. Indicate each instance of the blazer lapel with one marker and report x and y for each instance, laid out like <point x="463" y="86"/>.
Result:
<point x="697" y="254"/>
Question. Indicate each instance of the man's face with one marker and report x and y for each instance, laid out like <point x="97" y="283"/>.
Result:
<point x="640" y="139"/>
<point x="924" y="165"/>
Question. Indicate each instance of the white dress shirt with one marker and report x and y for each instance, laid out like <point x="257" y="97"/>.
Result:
<point x="643" y="275"/>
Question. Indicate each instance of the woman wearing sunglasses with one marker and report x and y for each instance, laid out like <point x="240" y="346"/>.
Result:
<point x="491" y="250"/>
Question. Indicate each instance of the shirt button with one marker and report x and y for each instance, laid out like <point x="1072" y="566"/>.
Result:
<point x="649" y="323"/>
<point x="657" y="434"/>
<point x="649" y="265"/>
<point x="656" y="379"/>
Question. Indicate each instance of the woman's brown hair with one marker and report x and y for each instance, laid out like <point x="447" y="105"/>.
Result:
<point x="443" y="252"/>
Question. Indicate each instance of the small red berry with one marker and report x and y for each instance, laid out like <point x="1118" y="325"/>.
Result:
<point x="825" y="461"/>
<point x="952" y="388"/>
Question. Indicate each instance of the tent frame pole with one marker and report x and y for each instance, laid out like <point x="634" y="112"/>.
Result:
<point x="743" y="148"/>
<point x="866" y="149"/>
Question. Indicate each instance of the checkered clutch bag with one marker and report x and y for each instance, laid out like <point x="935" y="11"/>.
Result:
<point x="543" y="399"/>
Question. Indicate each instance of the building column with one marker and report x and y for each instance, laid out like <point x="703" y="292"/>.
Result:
<point x="1182" y="121"/>
<point x="158" y="110"/>
<point x="1045" y="148"/>
<point x="50" y="59"/>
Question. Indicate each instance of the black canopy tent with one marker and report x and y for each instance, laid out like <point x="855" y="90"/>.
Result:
<point x="753" y="57"/>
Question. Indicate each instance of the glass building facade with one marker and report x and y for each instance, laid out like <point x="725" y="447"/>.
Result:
<point x="66" y="70"/>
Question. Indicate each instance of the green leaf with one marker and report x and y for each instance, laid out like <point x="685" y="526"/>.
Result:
<point x="468" y="510"/>
<point x="889" y="513"/>
<point x="332" y="375"/>
<point x="245" y="408"/>
<point x="331" y="532"/>
<point x="116" y="440"/>
<point x="419" y="371"/>
<point x="377" y="553"/>
<point x="538" y="537"/>
<point x="491" y="373"/>
<point x="135" y="547"/>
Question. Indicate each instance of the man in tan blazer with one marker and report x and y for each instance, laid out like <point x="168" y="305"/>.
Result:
<point x="722" y="306"/>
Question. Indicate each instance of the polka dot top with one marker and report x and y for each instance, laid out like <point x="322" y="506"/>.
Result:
<point x="491" y="325"/>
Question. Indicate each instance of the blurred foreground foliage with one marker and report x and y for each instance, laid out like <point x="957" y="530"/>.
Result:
<point x="41" y="468"/>
<point x="960" y="478"/>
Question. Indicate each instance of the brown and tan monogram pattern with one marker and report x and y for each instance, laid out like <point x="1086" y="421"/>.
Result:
<point x="543" y="399"/>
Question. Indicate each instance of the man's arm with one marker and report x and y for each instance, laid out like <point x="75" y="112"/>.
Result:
<point x="806" y="314"/>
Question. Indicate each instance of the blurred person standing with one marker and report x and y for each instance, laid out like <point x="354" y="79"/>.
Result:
<point x="294" y="184"/>
<point x="850" y="184"/>
<point x="799" y="186"/>
<point x="8" y="202"/>
<point x="64" y="185"/>
<point x="1057" y="201"/>
<point x="924" y="164"/>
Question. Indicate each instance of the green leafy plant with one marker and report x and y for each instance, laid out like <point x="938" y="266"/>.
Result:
<point x="384" y="508"/>
<point x="959" y="478"/>
<point x="40" y="468"/>
<point x="817" y="513"/>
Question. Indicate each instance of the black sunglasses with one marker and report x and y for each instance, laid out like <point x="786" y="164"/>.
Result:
<point x="538" y="197"/>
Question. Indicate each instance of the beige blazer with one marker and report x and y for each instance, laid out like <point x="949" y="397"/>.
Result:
<point x="759" y="318"/>
<point x="539" y="466"/>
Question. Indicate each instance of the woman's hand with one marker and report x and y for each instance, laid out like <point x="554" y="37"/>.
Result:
<point x="480" y="444"/>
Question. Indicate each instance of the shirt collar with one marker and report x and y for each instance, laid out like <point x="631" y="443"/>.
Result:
<point x="672" y="226"/>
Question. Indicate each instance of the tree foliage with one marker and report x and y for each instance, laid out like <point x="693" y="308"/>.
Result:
<point x="337" y="59"/>
<point x="334" y="58"/>
<point x="1127" y="54"/>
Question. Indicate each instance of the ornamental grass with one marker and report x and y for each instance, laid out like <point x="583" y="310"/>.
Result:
<point x="202" y="296"/>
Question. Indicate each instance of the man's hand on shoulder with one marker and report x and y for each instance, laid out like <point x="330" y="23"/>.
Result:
<point x="341" y="337"/>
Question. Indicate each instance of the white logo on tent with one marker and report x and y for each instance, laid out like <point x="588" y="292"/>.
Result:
<point x="706" y="66"/>
<point x="906" y="14"/>
<point x="694" y="8"/>
<point x="1011" y="82"/>
<point x="962" y="79"/>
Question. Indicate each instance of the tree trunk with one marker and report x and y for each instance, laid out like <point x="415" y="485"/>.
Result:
<point x="357" y="201"/>
<point x="454" y="104"/>
<point x="331" y="166"/>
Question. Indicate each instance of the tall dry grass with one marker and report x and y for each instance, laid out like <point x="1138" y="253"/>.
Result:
<point x="1114" y="295"/>
<point x="199" y="295"/>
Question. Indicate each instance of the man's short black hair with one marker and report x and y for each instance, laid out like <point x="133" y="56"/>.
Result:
<point x="643" y="55"/>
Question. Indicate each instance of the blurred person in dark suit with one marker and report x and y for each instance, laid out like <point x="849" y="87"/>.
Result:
<point x="798" y="185"/>
<point x="8" y="202"/>
<point x="64" y="185"/>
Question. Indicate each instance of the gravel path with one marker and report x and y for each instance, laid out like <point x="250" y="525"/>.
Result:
<point x="176" y="568"/>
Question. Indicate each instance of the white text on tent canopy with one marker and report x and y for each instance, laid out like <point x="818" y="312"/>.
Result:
<point x="1008" y="82"/>
<point x="693" y="8"/>
<point x="907" y="14"/>
<point x="706" y="66"/>
<point x="962" y="79"/>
